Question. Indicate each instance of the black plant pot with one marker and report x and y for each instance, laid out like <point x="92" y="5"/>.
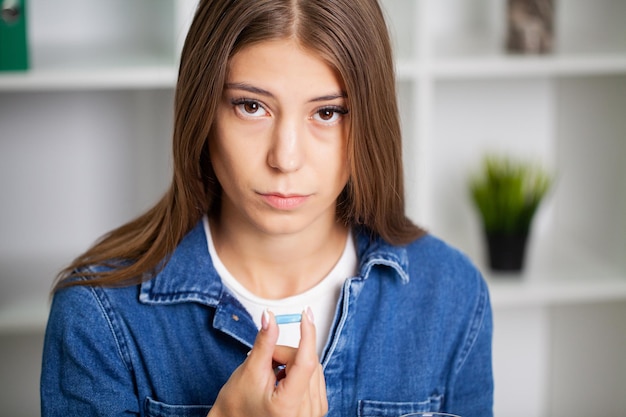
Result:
<point x="506" y="251"/>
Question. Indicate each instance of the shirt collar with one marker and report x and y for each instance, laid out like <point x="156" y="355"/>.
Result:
<point x="374" y="251"/>
<point x="189" y="274"/>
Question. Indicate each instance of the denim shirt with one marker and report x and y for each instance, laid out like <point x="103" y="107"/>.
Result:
<point x="412" y="332"/>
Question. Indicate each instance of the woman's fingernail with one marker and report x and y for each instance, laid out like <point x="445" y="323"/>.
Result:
<point x="309" y="314"/>
<point x="265" y="319"/>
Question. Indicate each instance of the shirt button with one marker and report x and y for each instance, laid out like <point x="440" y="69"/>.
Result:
<point x="235" y="317"/>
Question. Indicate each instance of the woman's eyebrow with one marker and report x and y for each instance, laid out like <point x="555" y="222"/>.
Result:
<point x="256" y="90"/>
<point x="249" y="88"/>
<point x="330" y="97"/>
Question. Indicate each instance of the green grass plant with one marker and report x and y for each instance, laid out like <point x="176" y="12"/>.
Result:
<point x="507" y="193"/>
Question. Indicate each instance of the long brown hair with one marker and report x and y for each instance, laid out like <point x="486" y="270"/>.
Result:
<point x="352" y="37"/>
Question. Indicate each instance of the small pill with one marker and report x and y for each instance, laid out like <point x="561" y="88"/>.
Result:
<point x="288" y="318"/>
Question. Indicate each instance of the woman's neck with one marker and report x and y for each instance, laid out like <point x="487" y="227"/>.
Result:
<point x="278" y="266"/>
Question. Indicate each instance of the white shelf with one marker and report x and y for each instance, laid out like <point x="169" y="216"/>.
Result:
<point x="114" y="45"/>
<point x="557" y="271"/>
<point x="103" y="67"/>
<point x="137" y="78"/>
<point x="519" y="292"/>
<point x="512" y="66"/>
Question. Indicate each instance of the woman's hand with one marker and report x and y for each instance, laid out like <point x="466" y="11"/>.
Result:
<point x="255" y="390"/>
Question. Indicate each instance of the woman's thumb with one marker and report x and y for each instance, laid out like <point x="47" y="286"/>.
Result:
<point x="261" y="354"/>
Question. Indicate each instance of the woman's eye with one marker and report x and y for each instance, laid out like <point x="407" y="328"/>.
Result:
<point x="250" y="108"/>
<point x="329" y="114"/>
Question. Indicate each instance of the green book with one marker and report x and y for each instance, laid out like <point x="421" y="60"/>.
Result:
<point x="13" y="36"/>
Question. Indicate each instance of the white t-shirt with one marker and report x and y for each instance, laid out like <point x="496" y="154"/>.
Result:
<point x="322" y="298"/>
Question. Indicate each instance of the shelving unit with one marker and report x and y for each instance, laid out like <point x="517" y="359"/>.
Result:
<point x="85" y="146"/>
<point x="463" y="96"/>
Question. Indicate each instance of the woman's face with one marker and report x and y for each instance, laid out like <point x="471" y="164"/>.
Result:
<point x="279" y="149"/>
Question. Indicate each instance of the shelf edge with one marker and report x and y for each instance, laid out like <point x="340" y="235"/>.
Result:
<point x="527" y="66"/>
<point x="102" y="79"/>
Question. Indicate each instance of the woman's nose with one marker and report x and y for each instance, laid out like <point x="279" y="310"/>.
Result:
<point x="286" y="153"/>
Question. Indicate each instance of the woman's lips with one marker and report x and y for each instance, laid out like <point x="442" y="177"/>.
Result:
<point x="284" y="202"/>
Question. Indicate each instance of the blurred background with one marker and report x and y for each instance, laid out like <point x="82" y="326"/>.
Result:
<point x="86" y="95"/>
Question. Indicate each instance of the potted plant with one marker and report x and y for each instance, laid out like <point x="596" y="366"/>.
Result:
<point x="507" y="193"/>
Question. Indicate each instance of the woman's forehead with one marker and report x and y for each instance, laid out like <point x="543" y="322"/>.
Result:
<point x="275" y="64"/>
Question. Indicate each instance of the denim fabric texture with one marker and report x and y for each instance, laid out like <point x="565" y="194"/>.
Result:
<point x="412" y="332"/>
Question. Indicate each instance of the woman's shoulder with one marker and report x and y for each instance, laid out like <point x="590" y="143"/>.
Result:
<point x="434" y="259"/>
<point x="77" y="292"/>
<point x="426" y="260"/>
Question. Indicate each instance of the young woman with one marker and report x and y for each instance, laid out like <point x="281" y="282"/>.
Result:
<point x="287" y="199"/>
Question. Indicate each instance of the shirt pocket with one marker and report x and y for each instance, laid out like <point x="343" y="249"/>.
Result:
<point x="371" y="408"/>
<point x="154" y="408"/>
